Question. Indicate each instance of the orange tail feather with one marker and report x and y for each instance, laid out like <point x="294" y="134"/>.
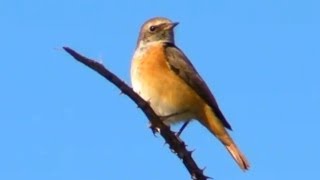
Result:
<point x="238" y="156"/>
<point x="214" y="124"/>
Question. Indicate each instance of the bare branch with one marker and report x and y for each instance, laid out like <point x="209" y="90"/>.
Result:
<point x="175" y="143"/>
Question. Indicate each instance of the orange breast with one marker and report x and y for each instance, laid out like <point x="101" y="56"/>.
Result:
<point x="167" y="93"/>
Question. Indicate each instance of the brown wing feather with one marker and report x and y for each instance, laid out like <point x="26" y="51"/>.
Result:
<point x="181" y="65"/>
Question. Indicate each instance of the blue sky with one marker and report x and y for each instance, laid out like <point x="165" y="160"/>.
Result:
<point x="60" y="120"/>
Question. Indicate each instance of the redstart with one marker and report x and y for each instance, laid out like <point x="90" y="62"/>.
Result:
<point x="163" y="75"/>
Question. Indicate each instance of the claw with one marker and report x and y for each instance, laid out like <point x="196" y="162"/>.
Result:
<point x="154" y="129"/>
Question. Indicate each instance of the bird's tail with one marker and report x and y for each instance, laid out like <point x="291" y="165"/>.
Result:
<point x="214" y="125"/>
<point x="238" y="156"/>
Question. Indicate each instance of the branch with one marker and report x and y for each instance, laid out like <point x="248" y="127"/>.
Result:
<point x="175" y="143"/>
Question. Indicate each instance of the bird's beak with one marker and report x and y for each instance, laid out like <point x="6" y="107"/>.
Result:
<point x="171" y="25"/>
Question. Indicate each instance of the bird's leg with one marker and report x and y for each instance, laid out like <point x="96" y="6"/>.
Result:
<point x="182" y="128"/>
<point x="163" y="118"/>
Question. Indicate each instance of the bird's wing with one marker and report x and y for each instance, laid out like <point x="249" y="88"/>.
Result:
<point x="181" y="65"/>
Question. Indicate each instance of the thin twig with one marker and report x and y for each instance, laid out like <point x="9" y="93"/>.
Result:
<point x="175" y="143"/>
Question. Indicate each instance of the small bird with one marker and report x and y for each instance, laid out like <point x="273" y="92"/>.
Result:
<point x="162" y="75"/>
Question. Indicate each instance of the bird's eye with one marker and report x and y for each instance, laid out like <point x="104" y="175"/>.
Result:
<point x="152" y="28"/>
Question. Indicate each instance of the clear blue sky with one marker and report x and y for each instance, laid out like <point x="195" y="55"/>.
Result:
<point x="60" y="120"/>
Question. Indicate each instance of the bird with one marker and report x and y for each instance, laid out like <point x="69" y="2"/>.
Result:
<point x="164" y="77"/>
